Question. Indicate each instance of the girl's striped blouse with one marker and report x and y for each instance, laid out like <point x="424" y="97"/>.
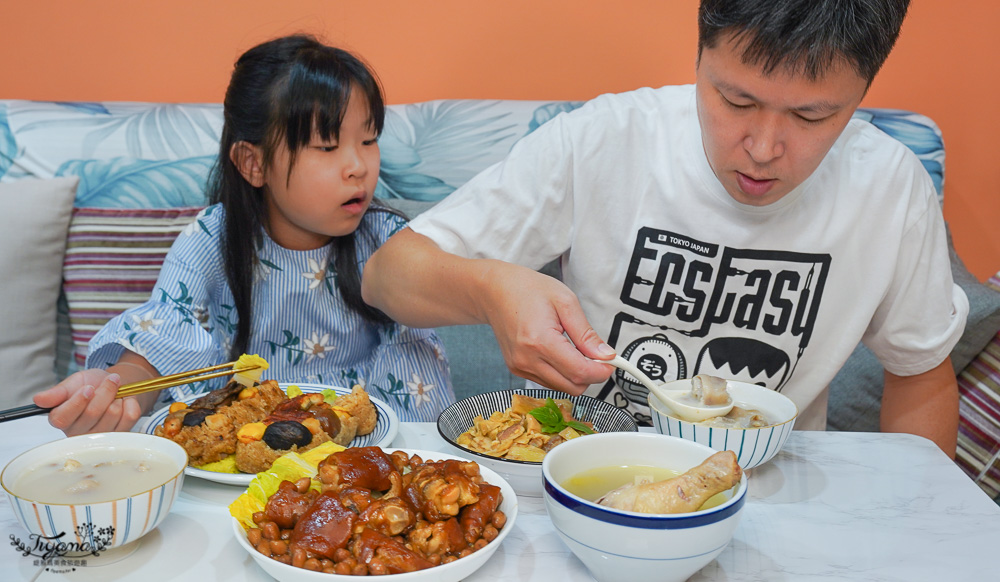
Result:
<point x="301" y="324"/>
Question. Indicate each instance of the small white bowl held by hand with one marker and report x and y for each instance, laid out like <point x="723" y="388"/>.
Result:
<point x="450" y="572"/>
<point x="624" y="545"/>
<point x="132" y="507"/>
<point x="753" y="446"/>
<point x="524" y="476"/>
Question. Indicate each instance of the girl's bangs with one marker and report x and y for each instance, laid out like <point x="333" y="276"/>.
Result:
<point x="310" y="108"/>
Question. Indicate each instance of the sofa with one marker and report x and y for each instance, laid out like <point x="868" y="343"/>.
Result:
<point x="93" y="194"/>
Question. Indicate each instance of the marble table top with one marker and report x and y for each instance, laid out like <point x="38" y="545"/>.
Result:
<point x="830" y="506"/>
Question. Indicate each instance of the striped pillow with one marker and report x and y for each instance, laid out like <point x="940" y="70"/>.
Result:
<point x="979" y="415"/>
<point x="113" y="257"/>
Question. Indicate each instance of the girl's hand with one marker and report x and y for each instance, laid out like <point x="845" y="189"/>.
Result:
<point x="85" y="402"/>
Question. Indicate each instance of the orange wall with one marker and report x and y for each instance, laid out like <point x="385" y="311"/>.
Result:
<point x="183" y="50"/>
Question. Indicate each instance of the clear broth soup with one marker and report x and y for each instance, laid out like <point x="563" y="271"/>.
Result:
<point x="595" y="483"/>
<point x="95" y="476"/>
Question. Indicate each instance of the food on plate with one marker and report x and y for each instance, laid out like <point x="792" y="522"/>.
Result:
<point x="367" y="511"/>
<point x="95" y="476"/>
<point x="245" y="425"/>
<point x="685" y="493"/>
<point x="528" y="429"/>
<point x="206" y="427"/>
<point x="249" y="377"/>
<point x="301" y="423"/>
<point x="357" y="405"/>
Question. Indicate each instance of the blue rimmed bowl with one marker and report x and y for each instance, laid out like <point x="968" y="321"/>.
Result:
<point x="624" y="545"/>
<point x="753" y="446"/>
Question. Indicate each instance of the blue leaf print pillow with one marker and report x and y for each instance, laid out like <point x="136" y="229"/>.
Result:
<point x="915" y="132"/>
<point x="547" y="112"/>
<point x="132" y="183"/>
<point x="8" y="147"/>
<point x="431" y="148"/>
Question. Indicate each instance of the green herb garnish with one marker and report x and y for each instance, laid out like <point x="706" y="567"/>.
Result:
<point x="552" y="421"/>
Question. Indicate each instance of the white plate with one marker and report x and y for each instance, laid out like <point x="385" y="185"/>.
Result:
<point x="450" y="572"/>
<point x="385" y="430"/>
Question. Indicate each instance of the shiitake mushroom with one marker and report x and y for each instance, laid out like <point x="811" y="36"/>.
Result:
<point x="218" y="397"/>
<point x="328" y="419"/>
<point x="281" y="435"/>
<point x="196" y="417"/>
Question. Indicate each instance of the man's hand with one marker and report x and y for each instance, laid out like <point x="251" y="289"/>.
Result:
<point x="924" y="405"/>
<point x="539" y="324"/>
<point x="542" y="331"/>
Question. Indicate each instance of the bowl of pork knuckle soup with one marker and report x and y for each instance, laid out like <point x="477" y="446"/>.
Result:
<point x="755" y="429"/>
<point x="101" y="491"/>
<point x="643" y="506"/>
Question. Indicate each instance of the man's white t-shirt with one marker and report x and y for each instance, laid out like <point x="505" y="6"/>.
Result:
<point x="681" y="279"/>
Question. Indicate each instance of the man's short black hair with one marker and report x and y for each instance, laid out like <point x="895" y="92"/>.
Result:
<point x="805" y="36"/>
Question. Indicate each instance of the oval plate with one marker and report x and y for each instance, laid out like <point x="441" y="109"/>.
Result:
<point x="385" y="431"/>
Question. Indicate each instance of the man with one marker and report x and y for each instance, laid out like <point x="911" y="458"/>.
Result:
<point x="744" y="227"/>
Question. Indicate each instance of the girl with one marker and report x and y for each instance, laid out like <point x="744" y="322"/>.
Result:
<point x="273" y="267"/>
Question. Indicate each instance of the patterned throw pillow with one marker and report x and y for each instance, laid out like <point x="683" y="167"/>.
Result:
<point x="979" y="415"/>
<point x="113" y="257"/>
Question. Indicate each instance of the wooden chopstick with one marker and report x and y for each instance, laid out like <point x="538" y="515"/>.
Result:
<point x="140" y="387"/>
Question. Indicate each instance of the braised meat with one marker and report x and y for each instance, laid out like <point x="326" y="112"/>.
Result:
<point x="379" y="514"/>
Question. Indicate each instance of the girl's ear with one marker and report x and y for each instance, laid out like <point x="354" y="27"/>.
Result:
<point x="249" y="161"/>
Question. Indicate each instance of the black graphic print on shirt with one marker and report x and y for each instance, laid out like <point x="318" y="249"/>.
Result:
<point x="692" y="307"/>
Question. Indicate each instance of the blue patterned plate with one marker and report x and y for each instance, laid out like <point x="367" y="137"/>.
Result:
<point x="385" y="431"/>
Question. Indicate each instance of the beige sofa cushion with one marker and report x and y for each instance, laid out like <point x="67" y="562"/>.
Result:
<point x="34" y="217"/>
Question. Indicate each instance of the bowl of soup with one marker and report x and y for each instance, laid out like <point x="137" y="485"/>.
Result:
<point x="91" y="493"/>
<point x="754" y="430"/>
<point x="617" y="543"/>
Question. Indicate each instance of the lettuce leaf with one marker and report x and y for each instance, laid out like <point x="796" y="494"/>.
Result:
<point x="227" y="465"/>
<point x="288" y="467"/>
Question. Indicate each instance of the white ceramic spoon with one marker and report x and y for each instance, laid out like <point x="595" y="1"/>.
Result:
<point x="688" y="408"/>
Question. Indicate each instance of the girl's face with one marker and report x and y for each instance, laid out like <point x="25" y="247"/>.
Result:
<point x="330" y="186"/>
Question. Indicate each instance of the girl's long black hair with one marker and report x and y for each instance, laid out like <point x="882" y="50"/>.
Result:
<point x="282" y="90"/>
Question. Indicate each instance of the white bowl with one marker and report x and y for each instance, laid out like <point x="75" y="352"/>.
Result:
<point x="450" y="572"/>
<point x="86" y="526"/>
<point x="753" y="446"/>
<point x="524" y="476"/>
<point x="624" y="545"/>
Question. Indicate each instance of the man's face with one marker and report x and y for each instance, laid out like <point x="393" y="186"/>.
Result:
<point x="764" y="135"/>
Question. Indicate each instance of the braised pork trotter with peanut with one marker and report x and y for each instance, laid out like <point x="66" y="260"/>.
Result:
<point x="377" y="513"/>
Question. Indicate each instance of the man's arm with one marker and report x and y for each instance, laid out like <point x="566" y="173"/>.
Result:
<point x="417" y="284"/>
<point x="924" y="405"/>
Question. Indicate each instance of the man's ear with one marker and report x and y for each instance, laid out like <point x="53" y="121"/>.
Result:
<point x="249" y="161"/>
